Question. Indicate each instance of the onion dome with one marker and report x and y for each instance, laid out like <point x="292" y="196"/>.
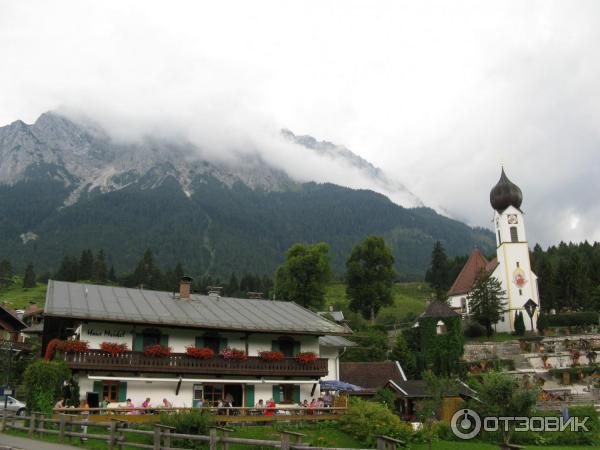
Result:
<point x="505" y="194"/>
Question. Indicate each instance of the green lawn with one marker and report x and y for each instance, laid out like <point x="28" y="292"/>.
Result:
<point x="409" y="300"/>
<point x="466" y="445"/>
<point x="17" y="297"/>
<point x="498" y="337"/>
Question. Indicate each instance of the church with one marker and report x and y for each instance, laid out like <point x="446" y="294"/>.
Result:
<point x="511" y="266"/>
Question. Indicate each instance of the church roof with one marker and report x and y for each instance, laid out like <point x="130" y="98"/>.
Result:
<point x="466" y="278"/>
<point x="505" y="193"/>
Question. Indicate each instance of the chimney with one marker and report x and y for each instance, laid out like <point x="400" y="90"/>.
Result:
<point x="185" y="286"/>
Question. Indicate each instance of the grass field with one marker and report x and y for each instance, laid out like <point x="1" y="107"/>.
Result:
<point x="409" y="301"/>
<point x="465" y="445"/>
<point x="17" y="297"/>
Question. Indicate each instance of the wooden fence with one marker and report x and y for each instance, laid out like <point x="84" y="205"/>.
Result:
<point x="234" y="414"/>
<point x="67" y="427"/>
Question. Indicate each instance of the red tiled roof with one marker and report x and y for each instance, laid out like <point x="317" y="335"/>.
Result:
<point x="369" y="375"/>
<point x="466" y="278"/>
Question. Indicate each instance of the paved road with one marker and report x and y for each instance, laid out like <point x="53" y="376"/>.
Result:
<point x="31" y="444"/>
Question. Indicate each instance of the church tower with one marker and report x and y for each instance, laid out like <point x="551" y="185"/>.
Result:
<point x="512" y="252"/>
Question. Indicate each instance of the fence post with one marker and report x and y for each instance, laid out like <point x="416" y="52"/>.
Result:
<point x="167" y="437"/>
<point x="213" y="439"/>
<point x="285" y="441"/>
<point x="157" y="432"/>
<point x="61" y="429"/>
<point x="31" y="424"/>
<point x="381" y="444"/>
<point x="112" y="428"/>
<point x="42" y="425"/>
<point x="3" y="426"/>
<point x="224" y="444"/>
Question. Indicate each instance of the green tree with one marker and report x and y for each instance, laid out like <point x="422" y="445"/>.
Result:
<point x="372" y="346"/>
<point x="370" y="277"/>
<point x="44" y="382"/>
<point x="112" y="276"/>
<point x="386" y="397"/>
<point x="100" y="270"/>
<point x="487" y="301"/>
<point x="429" y="410"/>
<point x="438" y="274"/>
<point x="146" y="273"/>
<point x="303" y="276"/>
<point x="86" y="265"/>
<point x="29" y="277"/>
<point x="500" y="395"/>
<point x="68" y="269"/>
<point x="404" y="355"/>
<point x="6" y="270"/>
<point x="519" y="324"/>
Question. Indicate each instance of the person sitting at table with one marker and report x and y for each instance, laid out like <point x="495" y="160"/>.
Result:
<point x="146" y="404"/>
<point x="327" y="400"/>
<point x="129" y="405"/>
<point x="60" y="404"/>
<point x="312" y="407"/>
<point x="104" y="403"/>
<point x="304" y="404"/>
<point x="167" y="403"/>
<point x="270" y="409"/>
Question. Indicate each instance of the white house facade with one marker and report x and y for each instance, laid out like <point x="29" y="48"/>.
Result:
<point x="511" y="266"/>
<point x="140" y="319"/>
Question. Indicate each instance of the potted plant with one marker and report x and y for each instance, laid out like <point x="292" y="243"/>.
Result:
<point x="233" y="353"/>
<point x="271" y="356"/>
<point x="199" y="352"/>
<point x="307" y="357"/>
<point x="113" y="348"/>
<point x="157" y="350"/>
<point x="75" y="346"/>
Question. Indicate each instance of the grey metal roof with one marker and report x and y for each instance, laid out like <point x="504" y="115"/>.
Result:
<point x="117" y="304"/>
<point x="335" y="341"/>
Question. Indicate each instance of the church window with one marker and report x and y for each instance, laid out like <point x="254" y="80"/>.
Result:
<point x="517" y="263"/>
<point x="514" y="237"/>
<point x="520" y="291"/>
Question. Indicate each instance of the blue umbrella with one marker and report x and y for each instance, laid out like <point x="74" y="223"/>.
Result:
<point x="336" y="385"/>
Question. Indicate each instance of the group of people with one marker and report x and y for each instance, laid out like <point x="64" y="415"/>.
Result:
<point x="268" y="408"/>
<point x="146" y="404"/>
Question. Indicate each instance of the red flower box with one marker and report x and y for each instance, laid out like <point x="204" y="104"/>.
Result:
<point x="114" y="348"/>
<point x="307" y="357"/>
<point x="233" y="353"/>
<point x="199" y="352"/>
<point x="157" y="350"/>
<point x="271" y="356"/>
<point x="75" y="346"/>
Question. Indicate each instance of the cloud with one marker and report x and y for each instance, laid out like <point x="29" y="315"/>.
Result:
<point x="436" y="93"/>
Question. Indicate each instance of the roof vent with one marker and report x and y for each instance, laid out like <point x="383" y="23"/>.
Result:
<point x="254" y="295"/>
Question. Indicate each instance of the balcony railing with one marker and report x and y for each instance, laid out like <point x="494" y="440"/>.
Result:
<point x="180" y="363"/>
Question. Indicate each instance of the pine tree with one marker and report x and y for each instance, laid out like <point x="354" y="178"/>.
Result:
<point x="86" y="265"/>
<point x="68" y="269"/>
<point x="404" y="355"/>
<point x="487" y="301"/>
<point x="369" y="277"/>
<point x="29" y="277"/>
<point x="111" y="274"/>
<point x="438" y="274"/>
<point x="6" y="271"/>
<point x="146" y="274"/>
<point x="100" y="271"/>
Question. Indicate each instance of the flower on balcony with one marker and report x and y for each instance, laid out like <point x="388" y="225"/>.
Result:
<point x="200" y="353"/>
<point x="233" y="353"/>
<point x="307" y="357"/>
<point x="271" y="356"/>
<point x="75" y="346"/>
<point x="114" y="348"/>
<point x="157" y="350"/>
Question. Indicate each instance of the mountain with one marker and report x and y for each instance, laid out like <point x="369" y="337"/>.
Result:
<point x="66" y="186"/>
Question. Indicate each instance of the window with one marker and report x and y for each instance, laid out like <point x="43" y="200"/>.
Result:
<point x="212" y="394"/>
<point x="197" y="395"/>
<point x="286" y="393"/>
<point x="517" y="263"/>
<point x="150" y="339"/>
<point x="520" y="291"/>
<point x="212" y="342"/>
<point x="514" y="236"/>
<point x="110" y="390"/>
<point x="287" y="346"/>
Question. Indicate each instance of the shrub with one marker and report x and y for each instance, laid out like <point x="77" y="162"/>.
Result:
<point x="157" y="350"/>
<point x="192" y="422"/>
<point x="542" y="322"/>
<point x="386" y="397"/>
<point x="114" y="348"/>
<point x="307" y="357"/>
<point x="271" y="356"/>
<point x="43" y="381"/>
<point x="233" y="353"/>
<point x="519" y="324"/>
<point x="367" y="420"/>
<point x="474" y="330"/>
<point x="199" y="352"/>
<point x="571" y="319"/>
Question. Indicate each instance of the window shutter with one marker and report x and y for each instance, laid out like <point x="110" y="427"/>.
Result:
<point x="275" y="346"/>
<point x="296" y="348"/>
<point x="297" y="393"/>
<point x="164" y="340"/>
<point x="122" y="391"/>
<point x="138" y="343"/>
<point x="277" y="393"/>
<point x="222" y="343"/>
<point x="199" y="341"/>
<point x="98" y="389"/>
<point x="249" y="395"/>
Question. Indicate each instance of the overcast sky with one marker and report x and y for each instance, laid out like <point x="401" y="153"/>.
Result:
<point x="439" y="94"/>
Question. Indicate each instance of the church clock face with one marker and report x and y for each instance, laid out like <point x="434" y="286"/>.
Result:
<point x="512" y="219"/>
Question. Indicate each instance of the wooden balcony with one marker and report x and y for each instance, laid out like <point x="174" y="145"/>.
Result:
<point x="180" y="363"/>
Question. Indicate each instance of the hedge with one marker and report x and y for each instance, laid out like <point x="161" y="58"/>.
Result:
<point x="571" y="319"/>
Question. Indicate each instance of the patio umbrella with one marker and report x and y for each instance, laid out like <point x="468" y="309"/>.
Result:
<point x="336" y="385"/>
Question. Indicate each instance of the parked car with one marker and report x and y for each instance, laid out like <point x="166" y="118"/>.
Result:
<point x="12" y="404"/>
